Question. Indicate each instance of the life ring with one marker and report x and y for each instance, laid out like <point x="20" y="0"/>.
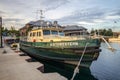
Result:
<point x="34" y="40"/>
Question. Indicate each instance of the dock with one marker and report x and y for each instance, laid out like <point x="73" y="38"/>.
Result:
<point x="16" y="67"/>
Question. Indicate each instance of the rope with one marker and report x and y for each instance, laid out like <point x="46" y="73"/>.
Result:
<point x="76" y="70"/>
<point x="109" y="47"/>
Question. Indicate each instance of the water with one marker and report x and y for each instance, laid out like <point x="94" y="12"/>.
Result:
<point x="66" y="71"/>
<point x="107" y="67"/>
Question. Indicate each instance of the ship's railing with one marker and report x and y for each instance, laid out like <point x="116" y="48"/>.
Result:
<point x="80" y="37"/>
<point x="58" y="36"/>
<point x="53" y="28"/>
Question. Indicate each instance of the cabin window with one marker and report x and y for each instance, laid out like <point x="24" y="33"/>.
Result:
<point x="34" y="33"/>
<point x="54" y="32"/>
<point x="61" y="33"/>
<point x="39" y="33"/>
<point x="46" y="32"/>
<point x="30" y="34"/>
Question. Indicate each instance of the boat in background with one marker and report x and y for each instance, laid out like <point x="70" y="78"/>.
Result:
<point x="10" y="40"/>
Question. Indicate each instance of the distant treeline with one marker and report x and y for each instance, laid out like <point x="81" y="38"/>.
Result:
<point x="103" y="32"/>
<point x="13" y="32"/>
<point x="10" y="32"/>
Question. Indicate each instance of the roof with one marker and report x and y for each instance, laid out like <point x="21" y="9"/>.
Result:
<point x="74" y="27"/>
<point x="31" y="22"/>
<point x="43" y="23"/>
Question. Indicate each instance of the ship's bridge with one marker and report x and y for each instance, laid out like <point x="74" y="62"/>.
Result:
<point x="45" y="33"/>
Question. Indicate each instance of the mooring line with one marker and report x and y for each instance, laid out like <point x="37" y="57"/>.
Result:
<point x="76" y="70"/>
<point x="109" y="46"/>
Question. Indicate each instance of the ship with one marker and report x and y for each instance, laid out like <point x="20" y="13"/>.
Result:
<point x="49" y="42"/>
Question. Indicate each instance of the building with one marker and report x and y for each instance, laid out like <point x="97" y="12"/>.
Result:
<point x="116" y="34"/>
<point x="73" y="30"/>
<point x="70" y="30"/>
<point x="40" y="23"/>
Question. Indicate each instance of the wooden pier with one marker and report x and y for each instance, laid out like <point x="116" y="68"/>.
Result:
<point x="16" y="67"/>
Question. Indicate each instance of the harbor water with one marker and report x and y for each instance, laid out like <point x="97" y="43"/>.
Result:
<point x="106" y="67"/>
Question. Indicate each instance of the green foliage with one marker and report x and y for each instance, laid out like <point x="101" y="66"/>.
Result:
<point x="104" y="32"/>
<point x="92" y="31"/>
<point x="11" y="32"/>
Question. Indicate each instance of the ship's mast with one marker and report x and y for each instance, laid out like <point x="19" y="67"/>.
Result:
<point x="41" y="14"/>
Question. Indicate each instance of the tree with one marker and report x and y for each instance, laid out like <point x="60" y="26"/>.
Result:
<point x="103" y="32"/>
<point x="92" y="32"/>
<point x="109" y="32"/>
<point x="5" y="32"/>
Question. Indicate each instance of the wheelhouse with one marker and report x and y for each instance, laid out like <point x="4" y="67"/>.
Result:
<point x="44" y="33"/>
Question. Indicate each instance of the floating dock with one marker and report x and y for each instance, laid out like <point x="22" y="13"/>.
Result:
<point x="16" y="67"/>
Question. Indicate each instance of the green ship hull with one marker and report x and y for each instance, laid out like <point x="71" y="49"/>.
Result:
<point x="68" y="52"/>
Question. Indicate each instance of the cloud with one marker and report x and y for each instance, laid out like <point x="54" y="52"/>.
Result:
<point x="112" y="17"/>
<point x="12" y="19"/>
<point x="87" y="15"/>
<point x="53" y="4"/>
<point x="12" y="3"/>
<point x="91" y="15"/>
<point x="2" y="12"/>
<point x="117" y="12"/>
<point x="84" y="23"/>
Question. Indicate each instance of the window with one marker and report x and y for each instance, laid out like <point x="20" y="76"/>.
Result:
<point x="46" y="32"/>
<point x="39" y="33"/>
<point x="30" y="34"/>
<point x="54" y="32"/>
<point x="34" y="33"/>
<point x="61" y="33"/>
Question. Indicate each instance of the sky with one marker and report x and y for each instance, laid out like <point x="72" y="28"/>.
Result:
<point x="96" y="14"/>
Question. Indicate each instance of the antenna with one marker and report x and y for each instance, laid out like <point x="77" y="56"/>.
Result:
<point x="41" y="14"/>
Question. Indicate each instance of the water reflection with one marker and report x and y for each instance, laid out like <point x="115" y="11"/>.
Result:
<point x="66" y="70"/>
<point x="107" y="67"/>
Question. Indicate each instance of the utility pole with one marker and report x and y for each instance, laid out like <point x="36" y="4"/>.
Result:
<point x="1" y="32"/>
